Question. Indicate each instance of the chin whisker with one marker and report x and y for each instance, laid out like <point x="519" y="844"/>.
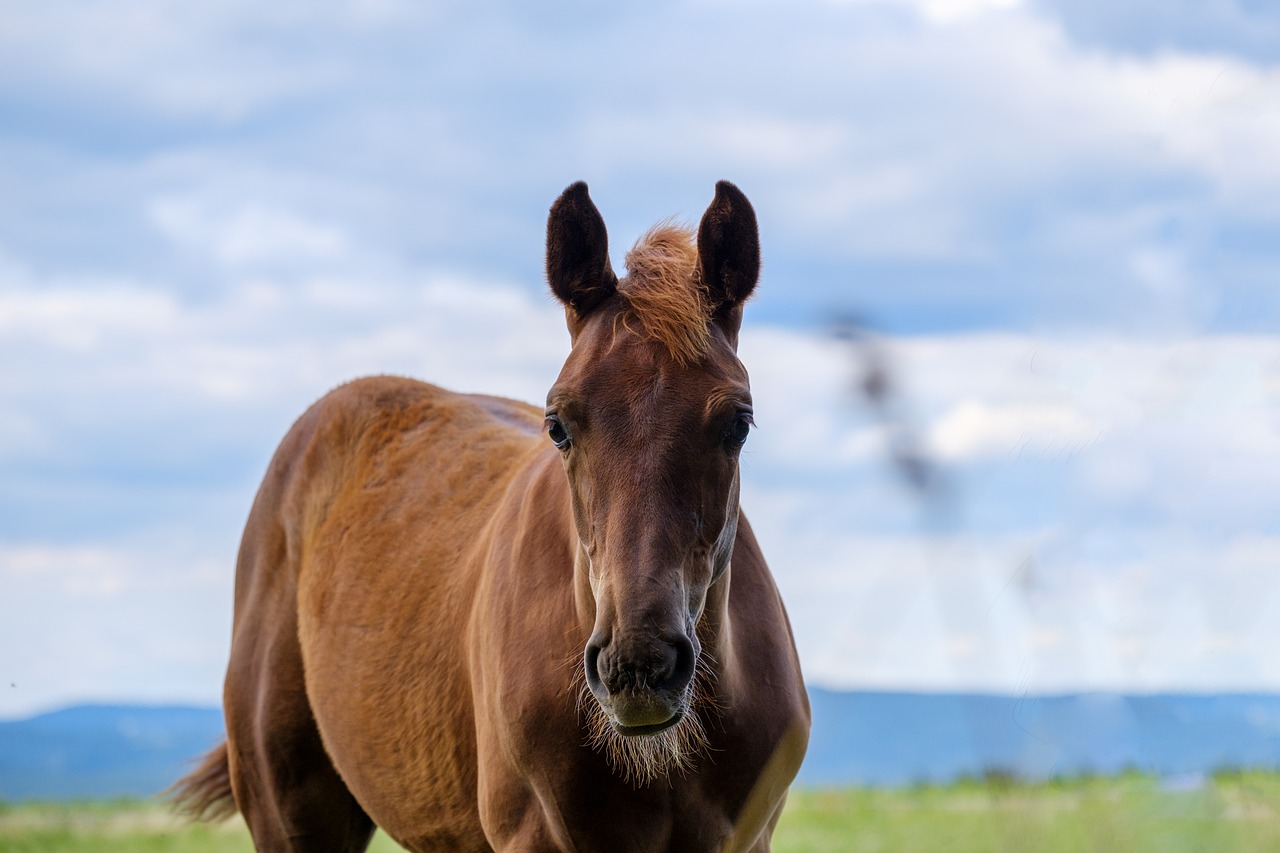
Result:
<point x="642" y="759"/>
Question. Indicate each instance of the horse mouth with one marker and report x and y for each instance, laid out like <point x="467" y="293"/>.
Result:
<point x="641" y="731"/>
<point x="648" y="750"/>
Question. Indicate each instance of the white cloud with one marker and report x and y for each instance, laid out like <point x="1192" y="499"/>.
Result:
<point x="1108" y="410"/>
<point x="879" y="137"/>
<point x="262" y="337"/>
<point x="80" y="318"/>
<point x="141" y="621"/>
<point x="1153" y="575"/>
<point x="1103" y="534"/>
<point x="193" y="60"/>
<point x="223" y="210"/>
<point x="973" y="428"/>
<point x="975" y="133"/>
<point x="251" y="233"/>
<point x="947" y="11"/>
<point x="87" y="571"/>
<point x="912" y="613"/>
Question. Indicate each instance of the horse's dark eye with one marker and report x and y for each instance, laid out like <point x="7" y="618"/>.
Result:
<point x="736" y="435"/>
<point x="558" y="434"/>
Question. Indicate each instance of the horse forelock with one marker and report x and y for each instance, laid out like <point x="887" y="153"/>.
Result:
<point x="664" y="291"/>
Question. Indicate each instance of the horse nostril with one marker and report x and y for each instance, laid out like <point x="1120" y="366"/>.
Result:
<point x="591" y="666"/>
<point x="680" y="671"/>
<point x="662" y="670"/>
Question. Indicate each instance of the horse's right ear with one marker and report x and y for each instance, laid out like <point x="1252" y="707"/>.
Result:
<point x="578" y="268"/>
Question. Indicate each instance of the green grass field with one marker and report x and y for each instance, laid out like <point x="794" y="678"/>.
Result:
<point x="1230" y="813"/>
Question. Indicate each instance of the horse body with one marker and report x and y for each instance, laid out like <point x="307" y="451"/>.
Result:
<point x="422" y="571"/>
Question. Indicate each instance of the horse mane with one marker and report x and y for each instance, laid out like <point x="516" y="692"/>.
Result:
<point x="664" y="289"/>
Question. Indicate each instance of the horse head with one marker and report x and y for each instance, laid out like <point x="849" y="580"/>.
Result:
<point x="649" y="415"/>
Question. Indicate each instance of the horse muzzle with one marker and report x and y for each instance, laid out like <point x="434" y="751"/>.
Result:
<point x="643" y="686"/>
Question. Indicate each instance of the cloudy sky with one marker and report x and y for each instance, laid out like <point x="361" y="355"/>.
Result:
<point x="1057" y="224"/>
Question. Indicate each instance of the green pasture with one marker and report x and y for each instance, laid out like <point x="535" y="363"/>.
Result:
<point x="1227" y="813"/>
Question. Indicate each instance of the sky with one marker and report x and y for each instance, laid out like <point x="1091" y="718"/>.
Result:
<point x="1054" y="226"/>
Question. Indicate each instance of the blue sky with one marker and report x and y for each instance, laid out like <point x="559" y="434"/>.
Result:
<point x="1061" y="219"/>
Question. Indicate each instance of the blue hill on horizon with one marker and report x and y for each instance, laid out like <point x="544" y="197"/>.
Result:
<point x="103" y="751"/>
<point x="867" y="738"/>
<point x="885" y="738"/>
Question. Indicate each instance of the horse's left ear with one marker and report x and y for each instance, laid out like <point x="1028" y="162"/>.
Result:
<point x="729" y="255"/>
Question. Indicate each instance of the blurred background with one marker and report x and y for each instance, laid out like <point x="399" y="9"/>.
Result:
<point x="1015" y="352"/>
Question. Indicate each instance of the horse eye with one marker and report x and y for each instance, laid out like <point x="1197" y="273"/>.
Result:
<point x="557" y="433"/>
<point x="737" y="433"/>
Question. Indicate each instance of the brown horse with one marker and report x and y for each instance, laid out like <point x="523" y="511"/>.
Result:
<point x="477" y="624"/>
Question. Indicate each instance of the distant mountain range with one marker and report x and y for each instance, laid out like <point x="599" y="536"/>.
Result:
<point x="98" y="751"/>
<point x="903" y="738"/>
<point x="859" y="738"/>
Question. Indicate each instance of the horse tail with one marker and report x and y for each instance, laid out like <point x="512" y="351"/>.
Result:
<point x="205" y="793"/>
